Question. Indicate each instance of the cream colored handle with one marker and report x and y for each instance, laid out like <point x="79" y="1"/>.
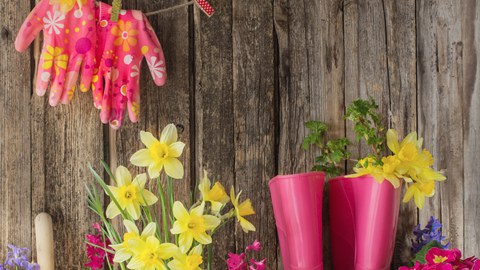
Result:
<point x="45" y="245"/>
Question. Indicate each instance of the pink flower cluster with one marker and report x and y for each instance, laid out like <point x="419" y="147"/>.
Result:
<point x="239" y="262"/>
<point x="96" y="255"/>
<point x="445" y="259"/>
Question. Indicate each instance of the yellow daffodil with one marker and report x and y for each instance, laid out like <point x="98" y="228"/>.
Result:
<point x="150" y="254"/>
<point x="192" y="225"/>
<point x="123" y="251"/>
<point x="161" y="153"/>
<point x="389" y="170"/>
<point x="367" y="167"/>
<point x="216" y="195"/>
<point x="129" y="194"/>
<point x="242" y="210"/>
<point x="419" y="191"/>
<point x="190" y="261"/>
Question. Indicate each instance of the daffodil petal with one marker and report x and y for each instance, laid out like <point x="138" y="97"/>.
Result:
<point x="185" y="241"/>
<point x="130" y="226"/>
<point x="196" y="250"/>
<point x="112" y="210"/>
<point x="179" y="211"/>
<point x="176" y="149"/>
<point x="121" y="256"/>
<point x="392" y="141"/>
<point x="149" y="198"/>
<point x="134" y="211"/>
<point x="135" y="263"/>
<point x="211" y="222"/>
<point x="409" y="193"/>
<point x="147" y="139"/>
<point x="140" y="180"/>
<point x="246" y="225"/>
<point x="169" y="134"/>
<point x="173" y="168"/>
<point x="203" y="238"/>
<point x="123" y="176"/>
<point x="154" y="170"/>
<point x="177" y="228"/>
<point x="141" y="158"/>
<point x="198" y="211"/>
<point x="246" y="208"/>
<point x="168" y="250"/>
<point x="419" y="199"/>
<point x="149" y="230"/>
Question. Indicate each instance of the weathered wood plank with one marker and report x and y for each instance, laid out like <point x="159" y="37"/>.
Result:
<point x="311" y="81"/>
<point x="440" y="103"/>
<point x="15" y="136"/>
<point x="72" y="138"/>
<point x="401" y="68"/>
<point x="471" y="126"/>
<point x="213" y="109"/>
<point x="254" y="112"/>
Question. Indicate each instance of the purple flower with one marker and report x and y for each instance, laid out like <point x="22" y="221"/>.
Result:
<point x="31" y="266"/>
<point x="16" y="256"/>
<point x="431" y="232"/>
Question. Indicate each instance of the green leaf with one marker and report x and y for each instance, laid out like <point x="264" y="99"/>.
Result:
<point x="420" y="256"/>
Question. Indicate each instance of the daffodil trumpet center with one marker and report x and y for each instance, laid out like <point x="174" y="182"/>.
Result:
<point x="159" y="151"/>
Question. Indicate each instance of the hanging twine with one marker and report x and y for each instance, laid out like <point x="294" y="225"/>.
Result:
<point x="116" y="7"/>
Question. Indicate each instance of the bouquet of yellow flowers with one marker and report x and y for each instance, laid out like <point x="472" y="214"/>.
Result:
<point x="176" y="240"/>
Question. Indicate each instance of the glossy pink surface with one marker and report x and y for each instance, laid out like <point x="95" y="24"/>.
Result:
<point x="297" y="205"/>
<point x="363" y="223"/>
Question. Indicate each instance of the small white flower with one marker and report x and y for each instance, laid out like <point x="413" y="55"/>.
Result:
<point x="52" y="23"/>
<point x="157" y="67"/>
<point x="135" y="71"/>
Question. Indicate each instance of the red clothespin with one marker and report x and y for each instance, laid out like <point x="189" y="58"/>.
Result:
<point x="205" y="7"/>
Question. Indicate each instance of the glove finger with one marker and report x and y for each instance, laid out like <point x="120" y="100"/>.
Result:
<point x="97" y="88"/>
<point x="133" y="98"/>
<point x="45" y="69"/>
<point x="87" y="73"/>
<point x="119" y="101"/>
<point x="71" y="79"/>
<point x="58" y="86"/>
<point x="106" y="100"/>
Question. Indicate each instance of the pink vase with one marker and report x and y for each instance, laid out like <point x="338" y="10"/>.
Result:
<point x="363" y="223"/>
<point x="297" y="205"/>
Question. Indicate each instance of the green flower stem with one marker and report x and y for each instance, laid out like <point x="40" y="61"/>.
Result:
<point x="171" y="197"/>
<point x="161" y="194"/>
<point x="209" y="258"/>
<point x="97" y="246"/>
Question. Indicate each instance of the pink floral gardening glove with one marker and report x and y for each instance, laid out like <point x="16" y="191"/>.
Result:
<point x="121" y="48"/>
<point x="69" y="38"/>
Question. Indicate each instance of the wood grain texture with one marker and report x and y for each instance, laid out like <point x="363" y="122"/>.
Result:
<point x="440" y="103"/>
<point x="240" y="86"/>
<point x="311" y="81"/>
<point x="15" y="163"/>
<point x="471" y="126"/>
<point x="254" y="113"/>
<point x="214" y="109"/>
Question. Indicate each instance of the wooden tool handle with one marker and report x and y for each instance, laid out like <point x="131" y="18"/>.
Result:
<point x="45" y="245"/>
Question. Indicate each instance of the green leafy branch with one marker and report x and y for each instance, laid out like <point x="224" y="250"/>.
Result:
<point x="332" y="153"/>
<point x="367" y="124"/>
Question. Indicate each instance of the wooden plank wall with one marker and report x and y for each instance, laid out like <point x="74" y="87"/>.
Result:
<point x="241" y="84"/>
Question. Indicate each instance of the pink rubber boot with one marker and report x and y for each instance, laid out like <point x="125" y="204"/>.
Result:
<point x="363" y="223"/>
<point x="297" y="205"/>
